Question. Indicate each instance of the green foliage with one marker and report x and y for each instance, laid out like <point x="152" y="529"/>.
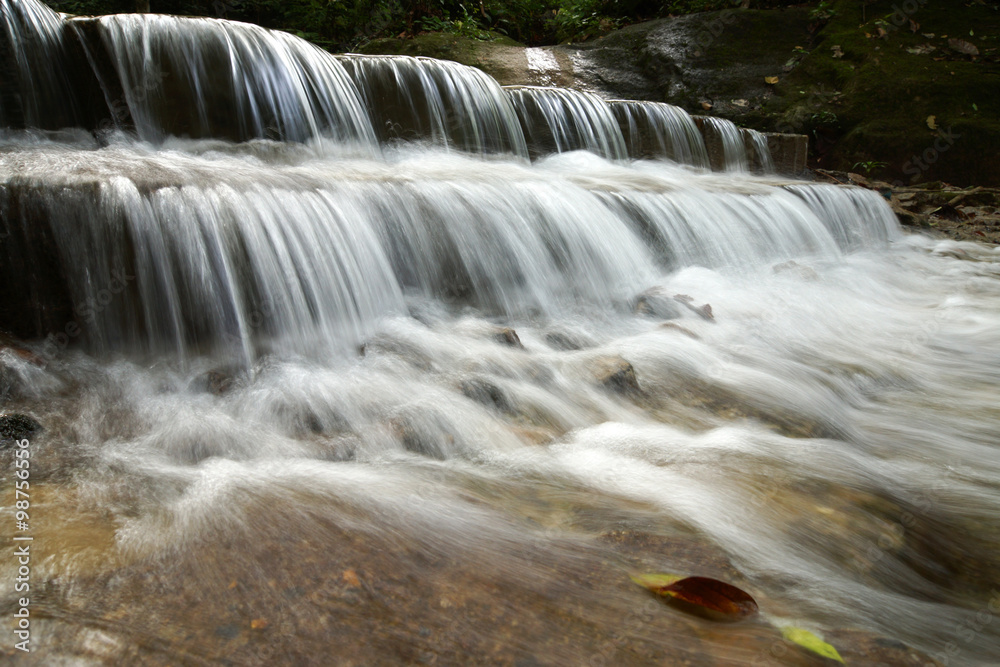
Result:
<point x="343" y="25"/>
<point x="870" y="166"/>
<point x="458" y="21"/>
<point x="823" y="12"/>
<point x="576" y="20"/>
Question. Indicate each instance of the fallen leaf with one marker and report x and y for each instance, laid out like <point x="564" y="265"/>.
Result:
<point x="771" y="80"/>
<point x="932" y="122"/>
<point x="914" y="26"/>
<point x="962" y="46"/>
<point x="928" y="35"/>
<point x="837" y="51"/>
<point x="706" y="105"/>
<point x="741" y="103"/>
<point x="923" y="49"/>
<point x="232" y="584"/>
<point x="702" y="596"/>
<point x="883" y="34"/>
<point x="809" y="641"/>
<point x="974" y="107"/>
<point x="259" y="623"/>
<point x="653" y="581"/>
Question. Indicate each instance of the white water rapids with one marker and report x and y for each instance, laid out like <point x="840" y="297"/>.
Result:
<point x="831" y="433"/>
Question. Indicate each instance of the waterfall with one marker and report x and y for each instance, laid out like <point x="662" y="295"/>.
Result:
<point x="322" y="352"/>
<point x="662" y="131"/>
<point x="442" y="102"/>
<point x="212" y="78"/>
<point x="758" y="152"/>
<point x="559" y="120"/>
<point x="725" y="144"/>
<point x="311" y="221"/>
<point x="328" y="248"/>
<point x="37" y="69"/>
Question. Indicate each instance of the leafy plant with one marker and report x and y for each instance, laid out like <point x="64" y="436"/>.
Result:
<point x="870" y="166"/>
<point x="824" y="11"/>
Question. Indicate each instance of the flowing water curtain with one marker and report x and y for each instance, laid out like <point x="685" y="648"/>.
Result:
<point x="726" y="148"/>
<point x="658" y="130"/>
<point x="758" y="151"/>
<point x="238" y="250"/>
<point x="44" y="80"/>
<point x="213" y="78"/>
<point x="556" y="120"/>
<point x="435" y="101"/>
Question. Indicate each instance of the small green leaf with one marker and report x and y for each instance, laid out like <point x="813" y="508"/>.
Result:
<point x="974" y="107"/>
<point x="655" y="581"/>
<point x="808" y="640"/>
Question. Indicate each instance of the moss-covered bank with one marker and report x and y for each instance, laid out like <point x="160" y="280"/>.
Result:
<point x="902" y="93"/>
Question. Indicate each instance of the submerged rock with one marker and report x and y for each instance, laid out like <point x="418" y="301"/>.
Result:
<point x="17" y="426"/>
<point x="655" y="304"/>
<point x="616" y="374"/>
<point x="507" y="336"/>
<point x="218" y="381"/>
<point x="486" y="393"/>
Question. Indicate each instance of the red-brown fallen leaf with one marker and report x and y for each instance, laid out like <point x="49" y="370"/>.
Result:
<point x="259" y="623"/>
<point x="702" y="596"/>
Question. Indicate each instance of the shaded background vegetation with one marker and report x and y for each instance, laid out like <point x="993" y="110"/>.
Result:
<point x="341" y="25"/>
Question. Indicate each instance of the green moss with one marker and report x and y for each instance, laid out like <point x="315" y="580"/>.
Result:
<point x="442" y="45"/>
<point x="887" y="93"/>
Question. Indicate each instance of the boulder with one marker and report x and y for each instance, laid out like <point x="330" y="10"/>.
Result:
<point x="616" y="374"/>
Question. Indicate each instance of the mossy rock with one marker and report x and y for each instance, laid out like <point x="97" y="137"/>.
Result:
<point x="885" y="87"/>
<point x="493" y="57"/>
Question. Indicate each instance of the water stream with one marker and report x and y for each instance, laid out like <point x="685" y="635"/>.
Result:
<point x="338" y="359"/>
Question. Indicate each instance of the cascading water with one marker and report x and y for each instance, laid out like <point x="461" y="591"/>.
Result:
<point x="211" y="78"/>
<point x="437" y="101"/>
<point x="661" y="130"/>
<point x="323" y="391"/>
<point x="726" y="139"/>
<point x="761" y="154"/>
<point x="560" y="120"/>
<point x="38" y="74"/>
